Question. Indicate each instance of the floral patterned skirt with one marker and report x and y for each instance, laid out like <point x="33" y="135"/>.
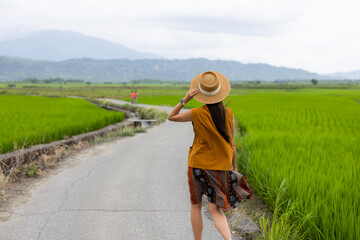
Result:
<point x="224" y="188"/>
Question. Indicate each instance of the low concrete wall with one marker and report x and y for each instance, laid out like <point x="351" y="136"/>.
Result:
<point x="28" y="155"/>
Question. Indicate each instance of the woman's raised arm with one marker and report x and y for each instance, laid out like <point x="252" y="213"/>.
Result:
<point x="186" y="116"/>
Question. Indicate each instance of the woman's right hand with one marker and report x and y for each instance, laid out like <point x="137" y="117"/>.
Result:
<point x="190" y="94"/>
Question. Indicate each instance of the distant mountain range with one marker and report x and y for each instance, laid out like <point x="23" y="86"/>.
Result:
<point x="60" y="45"/>
<point x="345" y="75"/>
<point x="70" y="55"/>
<point x="121" y="70"/>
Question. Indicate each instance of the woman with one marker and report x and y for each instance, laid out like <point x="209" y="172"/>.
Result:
<point x="136" y="96"/>
<point x="212" y="168"/>
<point x="132" y="95"/>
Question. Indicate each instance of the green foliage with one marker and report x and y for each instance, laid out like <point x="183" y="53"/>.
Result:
<point x="32" y="170"/>
<point x="144" y="112"/>
<point x="153" y="113"/>
<point x="139" y="130"/>
<point x="125" y="132"/>
<point x="285" y="223"/>
<point x="314" y="81"/>
<point x="29" y="120"/>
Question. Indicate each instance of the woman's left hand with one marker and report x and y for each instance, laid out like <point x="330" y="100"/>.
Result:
<point x="190" y="94"/>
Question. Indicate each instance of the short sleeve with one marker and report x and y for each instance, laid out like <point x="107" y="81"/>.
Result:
<point x="194" y="113"/>
<point x="230" y="113"/>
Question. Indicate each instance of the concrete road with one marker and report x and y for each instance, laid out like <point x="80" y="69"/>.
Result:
<point x="133" y="188"/>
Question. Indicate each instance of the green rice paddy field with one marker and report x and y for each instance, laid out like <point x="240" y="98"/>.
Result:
<point x="29" y="120"/>
<point x="308" y="137"/>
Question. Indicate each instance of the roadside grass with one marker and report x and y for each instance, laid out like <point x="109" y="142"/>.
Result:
<point x="122" y="132"/>
<point x="285" y="222"/>
<point x="31" y="170"/>
<point x="144" y="112"/>
<point x="139" y="130"/>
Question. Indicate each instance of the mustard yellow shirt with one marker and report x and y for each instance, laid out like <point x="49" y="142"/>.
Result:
<point x="209" y="149"/>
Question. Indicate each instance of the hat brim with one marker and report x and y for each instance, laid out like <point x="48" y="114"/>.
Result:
<point x="221" y="95"/>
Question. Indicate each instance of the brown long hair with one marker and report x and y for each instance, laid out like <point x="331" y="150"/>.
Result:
<point x="217" y="111"/>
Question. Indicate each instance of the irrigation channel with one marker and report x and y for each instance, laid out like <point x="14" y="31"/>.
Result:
<point x="132" y="188"/>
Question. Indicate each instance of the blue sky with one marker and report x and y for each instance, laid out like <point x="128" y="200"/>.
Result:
<point x="316" y="35"/>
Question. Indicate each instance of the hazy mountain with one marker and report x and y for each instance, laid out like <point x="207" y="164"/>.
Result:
<point x="119" y="70"/>
<point x="345" y="75"/>
<point x="68" y="54"/>
<point x="61" y="45"/>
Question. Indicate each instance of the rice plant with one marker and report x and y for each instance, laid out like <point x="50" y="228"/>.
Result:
<point x="29" y="120"/>
<point x="312" y="140"/>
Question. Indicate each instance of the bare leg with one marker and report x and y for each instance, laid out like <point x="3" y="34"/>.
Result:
<point x="220" y="221"/>
<point x="196" y="221"/>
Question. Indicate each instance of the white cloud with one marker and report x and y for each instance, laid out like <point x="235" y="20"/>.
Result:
<point x="316" y="35"/>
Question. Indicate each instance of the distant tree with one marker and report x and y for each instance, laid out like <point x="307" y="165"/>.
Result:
<point x="11" y="85"/>
<point x="314" y="81"/>
<point x="279" y="81"/>
<point x="88" y="83"/>
<point x="254" y="81"/>
<point x="75" y="81"/>
<point x="32" y="80"/>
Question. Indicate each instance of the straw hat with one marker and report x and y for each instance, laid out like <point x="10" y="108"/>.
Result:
<point x="213" y="86"/>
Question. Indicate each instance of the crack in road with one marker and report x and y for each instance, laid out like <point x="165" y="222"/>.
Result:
<point x="100" y="210"/>
<point x="75" y="182"/>
<point x="65" y="200"/>
<point x="43" y="227"/>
